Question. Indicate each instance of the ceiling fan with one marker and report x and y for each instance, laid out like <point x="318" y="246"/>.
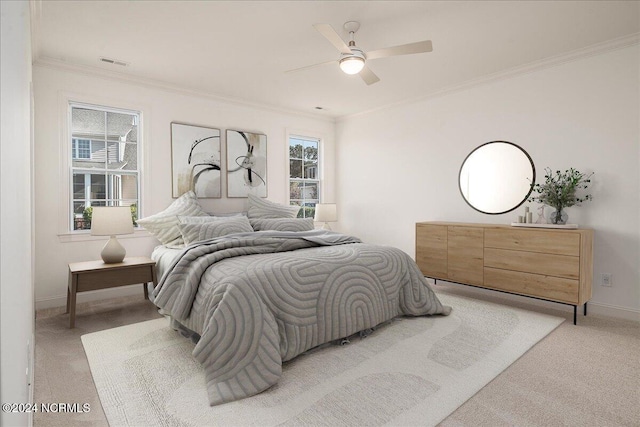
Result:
<point x="353" y="59"/>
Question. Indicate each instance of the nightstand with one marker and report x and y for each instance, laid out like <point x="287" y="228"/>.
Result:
<point x="94" y="275"/>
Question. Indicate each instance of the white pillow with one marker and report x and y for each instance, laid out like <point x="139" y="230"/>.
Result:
<point x="262" y="208"/>
<point x="282" y="224"/>
<point x="208" y="230"/>
<point x="164" y="225"/>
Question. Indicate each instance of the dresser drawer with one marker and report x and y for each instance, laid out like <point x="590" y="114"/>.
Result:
<point x="533" y="262"/>
<point x="535" y="285"/>
<point x="543" y="241"/>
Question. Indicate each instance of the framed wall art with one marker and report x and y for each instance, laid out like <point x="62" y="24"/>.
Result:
<point x="195" y="160"/>
<point x="246" y="164"/>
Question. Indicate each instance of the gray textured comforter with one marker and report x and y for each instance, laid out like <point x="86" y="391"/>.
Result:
<point x="258" y="299"/>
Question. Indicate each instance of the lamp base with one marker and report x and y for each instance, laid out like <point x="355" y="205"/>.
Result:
<point x="113" y="251"/>
<point x="326" y="226"/>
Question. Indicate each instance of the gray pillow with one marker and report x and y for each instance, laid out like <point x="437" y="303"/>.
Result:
<point x="208" y="230"/>
<point x="228" y="214"/>
<point x="282" y="224"/>
<point x="196" y="219"/>
<point x="262" y="208"/>
<point x="164" y="225"/>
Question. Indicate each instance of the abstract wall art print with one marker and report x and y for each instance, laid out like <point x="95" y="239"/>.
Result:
<point x="246" y="164"/>
<point x="195" y="160"/>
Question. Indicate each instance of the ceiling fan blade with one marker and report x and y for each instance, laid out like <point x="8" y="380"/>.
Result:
<point x="330" y="34"/>
<point x="405" y="49"/>
<point x="311" y="66"/>
<point x="368" y="76"/>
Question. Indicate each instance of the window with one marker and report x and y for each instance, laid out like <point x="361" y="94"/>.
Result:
<point x="304" y="179"/>
<point x="81" y="149"/>
<point x="104" y="161"/>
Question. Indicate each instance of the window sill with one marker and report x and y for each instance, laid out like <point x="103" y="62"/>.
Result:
<point x="85" y="236"/>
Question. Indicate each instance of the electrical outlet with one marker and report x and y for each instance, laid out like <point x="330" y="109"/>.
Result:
<point x="606" y="279"/>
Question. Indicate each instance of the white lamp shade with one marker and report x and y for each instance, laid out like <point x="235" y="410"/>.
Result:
<point x="326" y="212"/>
<point x="111" y="221"/>
<point x="352" y="65"/>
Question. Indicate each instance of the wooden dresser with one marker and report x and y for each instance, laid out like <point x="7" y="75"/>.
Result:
<point x="546" y="263"/>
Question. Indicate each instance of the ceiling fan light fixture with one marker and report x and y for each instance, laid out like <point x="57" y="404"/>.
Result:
<point x="353" y="60"/>
<point x="351" y="64"/>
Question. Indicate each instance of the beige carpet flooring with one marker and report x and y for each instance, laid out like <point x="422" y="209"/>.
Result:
<point x="585" y="375"/>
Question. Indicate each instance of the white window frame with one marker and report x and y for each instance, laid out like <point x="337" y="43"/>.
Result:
<point x="67" y="101"/>
<point x="308" y="136"/>
<point x="76" y="149"/>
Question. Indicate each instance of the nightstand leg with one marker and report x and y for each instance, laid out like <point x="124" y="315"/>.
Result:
<point x="154" y="278"/>
<point x="575" y="314"/>
<point x="585" y="308"/>
<point x="146" y="290"/>
<point x="68" y="292"/>
<point x="72" y="301"/>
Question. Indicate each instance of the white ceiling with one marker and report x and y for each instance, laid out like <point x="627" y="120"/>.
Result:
<point x="240" y="49"/>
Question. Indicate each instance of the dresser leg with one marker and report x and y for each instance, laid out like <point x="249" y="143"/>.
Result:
<point x="575" y="314"/>
<point x="585" y="308"/>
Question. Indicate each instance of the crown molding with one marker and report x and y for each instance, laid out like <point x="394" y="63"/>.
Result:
<point x="552" y="61"/>
<point x="46" y="62"/>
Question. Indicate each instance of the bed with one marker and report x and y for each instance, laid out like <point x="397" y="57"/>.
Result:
<point x="255" y="299"/>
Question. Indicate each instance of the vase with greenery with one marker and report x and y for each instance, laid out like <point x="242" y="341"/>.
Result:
<point x="560" y="190"/>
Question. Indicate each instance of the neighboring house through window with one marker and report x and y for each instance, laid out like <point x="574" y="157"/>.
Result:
<point x="105" y="155"/>
<point x="304" y="179"/>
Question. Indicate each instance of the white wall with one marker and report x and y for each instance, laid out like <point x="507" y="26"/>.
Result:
<point x="54" y="86"/>
<point x="400" y="165"/>
<point x="16" y="284"/>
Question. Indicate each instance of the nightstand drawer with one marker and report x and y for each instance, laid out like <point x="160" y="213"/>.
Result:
<point x="535" y="285"/>
<point x="544" y="241"/>
<point x="93" y="280"/>
<point x="533" y="262"/>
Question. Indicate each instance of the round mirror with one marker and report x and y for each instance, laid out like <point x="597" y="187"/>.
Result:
<point x="497" y="177"/>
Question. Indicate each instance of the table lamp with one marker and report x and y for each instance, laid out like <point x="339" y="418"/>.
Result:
<point x="112" y="221"/>
<point x="326" y="212"/>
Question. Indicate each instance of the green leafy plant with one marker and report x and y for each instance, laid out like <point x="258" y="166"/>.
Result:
<point x="307" y="212"/>
<point x="87" y="214"/>
<point x="134" y="214"/>
<point x="559" y="189"/>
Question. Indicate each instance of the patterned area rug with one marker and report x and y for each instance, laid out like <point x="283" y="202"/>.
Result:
<point x="411" y="371"/>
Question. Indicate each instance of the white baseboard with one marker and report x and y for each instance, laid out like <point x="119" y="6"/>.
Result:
<point x="593" y="308"/>
<point x="61" y="301"/>
<point x="614" y="311"/>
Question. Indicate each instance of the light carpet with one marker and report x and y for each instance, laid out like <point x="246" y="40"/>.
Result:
<point x="411" y="371"/>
